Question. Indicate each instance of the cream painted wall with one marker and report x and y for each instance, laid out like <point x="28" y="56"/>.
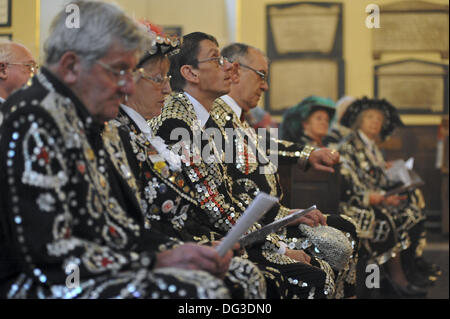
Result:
<point x="192" y="15"/>
<point x="213" y="16"/>
<point x="47" y="11"/>
<point x="24" y="24"/>
<point x="357" y="45"/>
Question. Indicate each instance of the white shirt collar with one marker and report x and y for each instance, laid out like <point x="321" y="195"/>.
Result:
<point x="202" y="113"/>
<point x="137" y="118"/>
<point x="2" y="100"/>
<point x="157" y="142"/>
<point x="232" y="103"/>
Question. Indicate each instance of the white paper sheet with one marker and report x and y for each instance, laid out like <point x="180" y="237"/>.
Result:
<point x="257" y="208"/>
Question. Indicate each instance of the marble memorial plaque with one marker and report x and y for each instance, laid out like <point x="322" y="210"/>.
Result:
<point x="412" y="26"/>
<point x="315" y="25"/>
<point x="293" y="80"/>
<point x="5" y="12"/>
<point x="412" y="86"/>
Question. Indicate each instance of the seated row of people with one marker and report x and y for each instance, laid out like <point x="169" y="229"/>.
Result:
<point x="105" y="173"/>
<point x="88" y="187"/>
<point x="231" y="184"/>
<point x="391" y="227"/>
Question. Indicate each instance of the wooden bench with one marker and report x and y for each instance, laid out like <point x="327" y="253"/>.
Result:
<point x="304" y="189"/>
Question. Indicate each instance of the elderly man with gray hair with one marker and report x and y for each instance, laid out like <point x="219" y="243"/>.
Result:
<point x="17" y="65"/>
<point x="70" y="225"/>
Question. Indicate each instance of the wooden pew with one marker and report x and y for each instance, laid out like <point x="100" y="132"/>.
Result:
<point x="304" y="189"/>
<point x="445" y="171"/>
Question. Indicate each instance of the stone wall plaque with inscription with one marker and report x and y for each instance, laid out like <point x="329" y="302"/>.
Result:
<point x="292" y="80"/>
<point x="413" y="86"/>
<point x="305" y="29"/>
<point x="412" y="26"/>
<point x="5" y="13"/>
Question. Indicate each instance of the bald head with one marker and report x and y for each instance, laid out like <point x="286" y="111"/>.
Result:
<point x="16" y="63"/>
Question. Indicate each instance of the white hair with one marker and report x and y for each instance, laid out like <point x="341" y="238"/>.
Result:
<point x="238" y="52"/>
<point x="5" y="51"/>
<point x="101" y="26"/>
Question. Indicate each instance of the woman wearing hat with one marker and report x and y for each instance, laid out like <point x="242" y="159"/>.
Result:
<point x="388" y="224"/>
<point x="308" y="121"/>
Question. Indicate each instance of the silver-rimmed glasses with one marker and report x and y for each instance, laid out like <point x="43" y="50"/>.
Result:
<point x="120" y="75"/>
<point x="158" y="80"/>
<point x="262" y="75"/>
<point x="220" y="60"/>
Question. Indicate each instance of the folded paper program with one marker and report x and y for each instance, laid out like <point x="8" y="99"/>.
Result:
<point x="401" y="171"/>
<point x="257" y="208"/>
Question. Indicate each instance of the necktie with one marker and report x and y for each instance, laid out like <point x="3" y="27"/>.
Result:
<point x="242" y="118"/>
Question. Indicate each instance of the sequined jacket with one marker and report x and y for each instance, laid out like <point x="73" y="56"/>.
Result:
<point x="210" y="183"/>
<point x="336" y="136"/>
<point x="62" y="203"/>
<point x="251" y="159"/>
<point x="304" y="138"/>
<point x="168" y="197"/>
<point x="364" y="172"/>
<point x="213" y="186"/>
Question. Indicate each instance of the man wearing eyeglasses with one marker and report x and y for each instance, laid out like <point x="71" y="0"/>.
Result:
<point x="249" y="82"/>
<point x="16" y="67"/>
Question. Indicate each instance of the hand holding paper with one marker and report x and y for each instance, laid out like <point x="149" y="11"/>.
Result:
<point x="257" y="208"/>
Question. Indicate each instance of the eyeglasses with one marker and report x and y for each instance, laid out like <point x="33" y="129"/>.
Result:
<point x="32" y="66"/>
<point x="262" y="75"/>
<point x="120" y="75"/>
<point x="220" y="60"/>
<point x="159" y="80"/>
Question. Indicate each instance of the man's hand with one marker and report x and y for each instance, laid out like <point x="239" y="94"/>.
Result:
<point x="375" y="199"/>
<point x="237" y="249"/>
<point x="298" y="255"/>
<point x="323" y="159"/>
<point x="394" y="200"/>
<point x="195" y="257"/>
<point x="313" y="218"/>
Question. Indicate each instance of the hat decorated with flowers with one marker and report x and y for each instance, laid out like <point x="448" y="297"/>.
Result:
<point x="160" y="44"/>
